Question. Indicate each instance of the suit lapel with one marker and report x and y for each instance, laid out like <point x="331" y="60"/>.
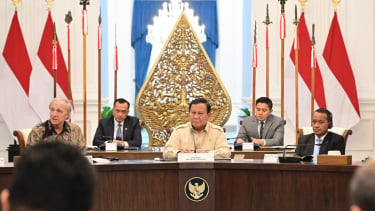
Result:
<point x="125" y="129"/>
<point x="254" y="124"/>
<point x="267" y="126"/>
<point x="111" y="128"/>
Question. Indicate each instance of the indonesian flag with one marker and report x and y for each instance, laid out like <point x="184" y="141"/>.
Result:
<point x="342" y="99"/>
<point x="41" y="83"/>
<point x="304" y="88"/>
<point x="15" y="70"/>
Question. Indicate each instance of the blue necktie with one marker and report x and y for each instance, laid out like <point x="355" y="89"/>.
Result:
<point x="261" y="129"/>
<point x="317" y="148"/>
<point x="119" y="134"/>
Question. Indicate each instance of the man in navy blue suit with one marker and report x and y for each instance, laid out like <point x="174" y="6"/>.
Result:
<point x="322" y="140"/>
<point x="120" y="128"/>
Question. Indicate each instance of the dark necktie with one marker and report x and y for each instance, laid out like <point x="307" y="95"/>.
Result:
<point x="261" y="129"/>
<point x="119" y="134"/>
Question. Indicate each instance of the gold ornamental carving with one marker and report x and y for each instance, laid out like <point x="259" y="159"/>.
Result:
<point x="182" y="72"/>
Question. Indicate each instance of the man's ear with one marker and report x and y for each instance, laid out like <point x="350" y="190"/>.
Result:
<point x="355" y="208"/>
<point x="5" y="206"/>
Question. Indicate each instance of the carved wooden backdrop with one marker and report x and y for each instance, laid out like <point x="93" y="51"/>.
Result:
<point x="182" y="72"/>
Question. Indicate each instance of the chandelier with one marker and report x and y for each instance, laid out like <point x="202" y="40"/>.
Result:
<point x="158" y="33"/>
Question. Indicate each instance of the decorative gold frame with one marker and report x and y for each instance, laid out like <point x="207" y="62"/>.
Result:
<point x="182" y="72"/>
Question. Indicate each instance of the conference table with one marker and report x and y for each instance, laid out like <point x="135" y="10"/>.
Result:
<point x="150" y="154"/>
<point x="247" y="184"/>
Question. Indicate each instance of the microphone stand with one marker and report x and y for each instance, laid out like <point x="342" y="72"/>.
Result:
<point x="295" y="159"/>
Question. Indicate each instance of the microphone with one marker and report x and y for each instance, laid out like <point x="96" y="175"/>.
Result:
<point x="295" y="159"/>
<point x="192" y="133"/>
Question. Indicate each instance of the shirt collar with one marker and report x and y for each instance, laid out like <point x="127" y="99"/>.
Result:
<point x="321" y="138"/>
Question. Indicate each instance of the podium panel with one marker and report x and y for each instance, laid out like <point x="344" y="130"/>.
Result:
<point x="230" y="185"/>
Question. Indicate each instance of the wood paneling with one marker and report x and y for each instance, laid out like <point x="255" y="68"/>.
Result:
<point x="245" y="185"/>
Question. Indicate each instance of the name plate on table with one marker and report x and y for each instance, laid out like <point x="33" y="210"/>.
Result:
<point x="271" y="158"/>
<point x="110" y="146"/>
<point x="195" y="157"/>
<point x="248" y="146"/>
<point x="334" y="160"/>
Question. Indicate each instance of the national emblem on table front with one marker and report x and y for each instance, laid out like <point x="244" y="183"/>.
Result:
<point x="182" y="72"/>
<point x="196" y="189"/>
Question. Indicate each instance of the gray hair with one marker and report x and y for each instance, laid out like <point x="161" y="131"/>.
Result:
<point x="68" y="103"/>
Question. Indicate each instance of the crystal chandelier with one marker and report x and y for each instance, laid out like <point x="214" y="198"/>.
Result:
<point x="158" y="33"/>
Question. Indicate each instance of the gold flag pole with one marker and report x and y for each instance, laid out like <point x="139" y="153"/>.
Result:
<point x="267" y="22"/>
<point x="84" y="34"/>
<point x="282" y="38"/>
<point x="313" y="66"/>
<point x="254" y="64"/>
<point x="68" y="20"/>
<point x="296" y="46"/>
<point x="99" y="65"/>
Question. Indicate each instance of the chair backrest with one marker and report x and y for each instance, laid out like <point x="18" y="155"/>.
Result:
<point x="338" y="130"/>
<point x="22" y="135"/>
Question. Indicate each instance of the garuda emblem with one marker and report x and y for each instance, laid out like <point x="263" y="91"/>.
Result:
<point x="196" y="189"/>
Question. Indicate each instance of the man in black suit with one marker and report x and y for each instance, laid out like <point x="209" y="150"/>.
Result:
<point x="321" y="141"/>
<point x="120" y="127"/>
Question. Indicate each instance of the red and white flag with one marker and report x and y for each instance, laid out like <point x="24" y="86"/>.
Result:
<point x="341" y="91"/>
<point x="15" y="71"/>
<point x="304" y="88"/>
<point x="41" y="83"/>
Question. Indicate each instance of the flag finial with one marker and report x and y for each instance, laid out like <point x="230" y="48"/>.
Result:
<point x="49" y="3"/>
<point x="313" y="35"/>
<point x="54" y="34"/>
<point x="302" y="2"/>
<point x="295" y="21"/>
<point x="255" y="32"/>
<point x="68" y="17"/>
<point x="267" y="21"/>
<point x="100" y="16"/>
<point x="282" y="3"/>
<point x="335" y="3"/>
<point x="84" y="3"/>
<point x="16" y="3"/>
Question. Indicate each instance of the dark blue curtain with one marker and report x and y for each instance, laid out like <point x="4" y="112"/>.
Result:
<point x="143" y="13"/>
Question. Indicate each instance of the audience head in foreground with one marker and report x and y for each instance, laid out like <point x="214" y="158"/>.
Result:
<point x="362" y="187"/>
<point x="198" y="135"/>
<point x="263" y="128"/>
<point x="322" y="121"/>
<point x="51" y="176"/>
<point x="57" y="127"/>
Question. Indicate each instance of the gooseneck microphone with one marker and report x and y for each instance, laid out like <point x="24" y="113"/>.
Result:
<point x="192" y="133"/>
<point x="285" y="159"/>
